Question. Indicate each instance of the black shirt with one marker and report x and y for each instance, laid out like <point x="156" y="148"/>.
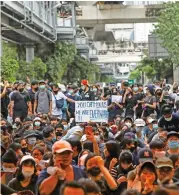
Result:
<point x="88" y="95"/>
<point x="172" y="125"/>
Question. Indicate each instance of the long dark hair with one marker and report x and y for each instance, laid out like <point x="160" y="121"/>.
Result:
<point x="113" y="149"/>
<point x="20" y="176"/>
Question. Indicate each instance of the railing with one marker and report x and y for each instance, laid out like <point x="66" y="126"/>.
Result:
<point x="64" y="22"/>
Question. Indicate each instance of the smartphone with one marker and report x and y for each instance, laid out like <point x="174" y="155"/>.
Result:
<point x="88" y="130"/>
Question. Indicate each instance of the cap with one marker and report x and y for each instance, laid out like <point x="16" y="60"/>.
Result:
<point x="47" y="130"/>
<point x="130" y="136"/>
<point x="145" y="154"/>
<point x="28" y="134"/>
<point x="37" y="119"/>
<point x="84" y="82"/>
<point x="73" y="86"/>
<point x="34" y="82"/>
<point x="27" y="119"/>
<point x="164" y="162"/>
<point x="27" y="157"/>
<point x="172" y="133"/>
<point x="126" y="157"/>
<point x="41" y="81"/>
<point x="10" y="157"/>
<point x="61" y="146"/>
<point x="128" y="118"/>
<point x="126" y="84"/>
<point x="150" y="120"/>
<point x="139" y="122"/>
<point x="149" y="164"/>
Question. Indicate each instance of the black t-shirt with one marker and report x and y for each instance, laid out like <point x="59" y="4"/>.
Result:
<point x="172" y="125"/>
<point x="20" y="100"/>
<point x="88" y="95"/>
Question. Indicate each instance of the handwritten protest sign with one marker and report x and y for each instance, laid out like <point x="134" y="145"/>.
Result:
<point x="116" y="98"/>
<point x="94" y="111"/>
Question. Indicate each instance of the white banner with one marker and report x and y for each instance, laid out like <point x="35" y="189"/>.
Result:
<point x="94" y="111"/>
<point x="116" y="98"/>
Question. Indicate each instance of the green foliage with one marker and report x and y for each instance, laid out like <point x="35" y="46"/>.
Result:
<point x="135" y="75"/>
<point x="107" y="79"/>
<point x="58" y="61"/>
<point x="34" y="70"/>
<point x="167" y="29"/>
<point x="80" y="69"/>
<point x="9" y="62"/>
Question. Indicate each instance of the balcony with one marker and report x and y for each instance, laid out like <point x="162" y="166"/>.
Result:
<point x="93" y="55"/>
<point x="65" y="30"/>
<point x="82" y="44"/>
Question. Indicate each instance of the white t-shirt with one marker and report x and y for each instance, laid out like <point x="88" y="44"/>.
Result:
<point x="55" y="110"/>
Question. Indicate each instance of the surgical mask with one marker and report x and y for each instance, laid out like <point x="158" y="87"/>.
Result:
<point x="135" y="89"/>
<point x="12" y="170"/>
<point x="17" y="123"/>
<point x="28" y="88"/>
<point x="160" y="154"/>
<point x="168" y="119"/>
<point x="83" y="87"/>
<point x="129" y="125"/>
<point x="42" y="87"/>
<point x="95" y="90"/>
<point x="155" y="126"/>
<point x="71" y="91"/>
<point x="31" y="140"/>
<point x="37" y="123"/>
<point x="117" y="123"/>
<point x="97" y="138"/>
<point x="27" y="172"/>
<point x="65" y="127"/>
<point x="54" y="139"/>
<point x="173" y="144"/>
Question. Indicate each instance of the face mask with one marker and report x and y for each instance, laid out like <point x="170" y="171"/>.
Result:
<point x="71" y="91"/>
<point x="97" y="138"/>
<point x="132" y="149"/>
<point x="83" y="87"/>
<point x="95" y="90"/>
<point x="31" y="140"/>
<point x="155" y="126"/>
<point x="55" y="92"/>
<point x="27" y="172"/>
<point x="37" y="123"/>
<point x="117" y="123"/>
<point x="114" y="93"/>
<point x="17" y="123"/>
<point x="173" y="144"/>
<point x="159" y="93"/>
<point x="135" y="89"/>
<point x="168" y="119"/>
<point x="12" y="170"/>
<point x="59" y="134"/>
<point x="160" y="154"/>
<point x="65" y="127"/>
<point x="129" y="125"/>
<point x="28" y="88"/>
<point x="94" y="171"/>
<point x="21" y="89"/>
<point x="42" y="87"/>
<point x="24" y="150"/>
<point x="54" y="139"/>
<point x="36" y="89"/>
<point x="3" y="128"/>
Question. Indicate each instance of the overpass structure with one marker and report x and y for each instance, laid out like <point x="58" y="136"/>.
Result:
<point x="94" y="17"/>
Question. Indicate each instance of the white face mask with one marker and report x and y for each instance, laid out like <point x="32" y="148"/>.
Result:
<point x="168" y="119"/>
<point x="31" y="140"/>
<point x="27" y="172"/>
<point x="12" y="170"/>
<point x="129" y="125"/>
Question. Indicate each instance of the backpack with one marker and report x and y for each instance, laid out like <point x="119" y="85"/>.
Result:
<point x="59" y="103"/>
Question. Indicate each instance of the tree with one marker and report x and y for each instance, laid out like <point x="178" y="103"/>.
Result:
<point x="9" y="62"/>
<point x="167" y="29"/>
<point x="57" y="63"/>
<point x="135" y="75"/>
<point x="34" y="70"/>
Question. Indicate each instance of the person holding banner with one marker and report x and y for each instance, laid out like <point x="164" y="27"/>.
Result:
<point x="86" y="93"/>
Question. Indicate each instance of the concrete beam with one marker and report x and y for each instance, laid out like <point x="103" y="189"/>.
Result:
<point x="92" y="16"/>
<point x="29" y="53"/>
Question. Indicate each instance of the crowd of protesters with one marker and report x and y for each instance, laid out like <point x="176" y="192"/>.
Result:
<point x="44" y="151"/>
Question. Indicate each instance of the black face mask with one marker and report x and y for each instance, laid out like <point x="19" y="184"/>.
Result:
<point x="132" y="149"/>
<point x="17" y="123"/>
<point x="159" y="93"/>
<point x="59" y="134"/>
<point x="24" y="150"/>
<point x="114" y="93"/>
<point x="94" y="171"/>
<point x="36" y="89"/>
<point x="3" y="128"/>
<point x="55" y="92"/>
<point x="21" y="89"/>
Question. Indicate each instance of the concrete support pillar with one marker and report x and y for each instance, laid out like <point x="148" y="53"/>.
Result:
<point x="29" y="53"/>
<point x="1" y="46"/>
<point x="176" y="73"/>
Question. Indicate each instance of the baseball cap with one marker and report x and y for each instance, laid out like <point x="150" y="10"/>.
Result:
<point x="27" y="157"/>
<point x="164" y="162"/>
<point x="126" y="157"/>
<point x="128" y="118"/>
<point x="145" y="154"/>
<point x="34" y="82"/>
<point x="150" y="120"/>
<point x="47" y="130"/>
<point x="61" y="146"/>
<point x="130" y="136"/>
<point x="139" y="122"/>
<point x="172" y="133"/>
<point x="41" y="81"/>
<point x="37" y="119"/>
<point x="84" y="82"/>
